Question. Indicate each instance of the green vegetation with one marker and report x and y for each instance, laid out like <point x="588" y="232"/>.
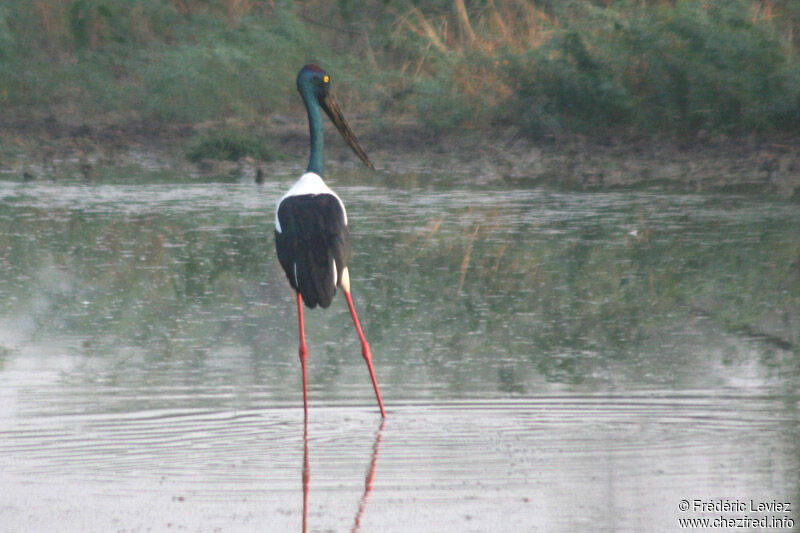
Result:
<point x="227" y="145"/>
<point x="682" y="68"/>
<point x="669" y="67"/>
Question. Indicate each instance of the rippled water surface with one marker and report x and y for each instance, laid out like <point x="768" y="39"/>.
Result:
<point x="549" y="361"/>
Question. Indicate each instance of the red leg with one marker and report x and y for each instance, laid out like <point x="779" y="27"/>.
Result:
<point x="303" y="352"/>
<point x="365" y="351"/>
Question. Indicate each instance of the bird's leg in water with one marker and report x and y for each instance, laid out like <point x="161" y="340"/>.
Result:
<point x="365" y="351"/>
<point x="303" y="352"/>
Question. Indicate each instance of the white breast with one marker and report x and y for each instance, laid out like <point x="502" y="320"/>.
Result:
<point x="309" y="183"/>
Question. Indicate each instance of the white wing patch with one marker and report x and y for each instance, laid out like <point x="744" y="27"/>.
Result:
<point x="309" y="183"/>
<point x="335" y="274"/>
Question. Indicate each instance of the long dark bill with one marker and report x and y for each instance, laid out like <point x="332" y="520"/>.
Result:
<point x="332" y="110"/>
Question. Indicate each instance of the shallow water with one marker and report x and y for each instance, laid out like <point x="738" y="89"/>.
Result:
<point x="549" y="361"/>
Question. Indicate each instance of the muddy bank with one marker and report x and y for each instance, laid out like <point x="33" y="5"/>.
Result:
<point x="47" y="148"/>
<point x="571" y="162"/>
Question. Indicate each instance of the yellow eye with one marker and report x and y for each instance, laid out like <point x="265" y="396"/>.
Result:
<point x="326" y="78"/>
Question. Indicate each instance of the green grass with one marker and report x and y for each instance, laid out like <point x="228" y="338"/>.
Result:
<point x="668" y="67"/>
<point x="680" y="68"/>
<point x="228" y="145"/>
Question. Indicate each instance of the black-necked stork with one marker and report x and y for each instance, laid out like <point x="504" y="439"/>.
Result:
<point x="311" y="231"/>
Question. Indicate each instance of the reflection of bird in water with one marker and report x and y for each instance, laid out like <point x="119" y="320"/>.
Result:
<point x="368" y="479"/>
<point x="311" y="232"/>
<point x="306" y="476"/>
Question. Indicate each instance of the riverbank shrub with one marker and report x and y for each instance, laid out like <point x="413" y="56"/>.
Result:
<point x="228" y="145"/>
<point x="678" y="68"/>
<point x="675" y="67"/>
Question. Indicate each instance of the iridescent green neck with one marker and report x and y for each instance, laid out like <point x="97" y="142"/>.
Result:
<point x="316" y="159"/>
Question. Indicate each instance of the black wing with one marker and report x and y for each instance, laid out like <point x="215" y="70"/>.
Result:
<point x="313" y="236"/>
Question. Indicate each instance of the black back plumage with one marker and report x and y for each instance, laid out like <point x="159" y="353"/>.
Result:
<point x="313" y="235"/>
